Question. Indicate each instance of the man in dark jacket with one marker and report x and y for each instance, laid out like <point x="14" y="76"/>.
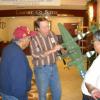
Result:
<point x="15" y="73"/>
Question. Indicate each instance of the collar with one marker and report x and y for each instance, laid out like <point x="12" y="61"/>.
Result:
<point x="41" y="35"/>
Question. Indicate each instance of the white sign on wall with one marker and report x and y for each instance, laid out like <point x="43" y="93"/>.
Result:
<point x="30" y="2"/>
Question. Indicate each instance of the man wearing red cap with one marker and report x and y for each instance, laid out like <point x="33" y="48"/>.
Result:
<point x="15" y="73"/>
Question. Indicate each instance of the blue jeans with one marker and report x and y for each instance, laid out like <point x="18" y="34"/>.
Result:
<point x="47" y="76"/>
<point x="85" y="97"/>
<point x="7" y="97"/>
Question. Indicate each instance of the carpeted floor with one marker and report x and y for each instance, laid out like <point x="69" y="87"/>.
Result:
<point x="33" y="93"/>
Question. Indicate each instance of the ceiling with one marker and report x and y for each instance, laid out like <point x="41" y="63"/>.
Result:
<point x="43" y="4"/>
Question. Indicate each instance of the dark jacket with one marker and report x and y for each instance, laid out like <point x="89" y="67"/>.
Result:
<point x="15" y="74"/>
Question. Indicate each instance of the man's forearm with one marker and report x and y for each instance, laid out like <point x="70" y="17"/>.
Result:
<point x="89" y="87"/>
<point x="49" y="52"/>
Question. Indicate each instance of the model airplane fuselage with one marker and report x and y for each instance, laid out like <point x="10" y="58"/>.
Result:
<point x="73" y="50"/>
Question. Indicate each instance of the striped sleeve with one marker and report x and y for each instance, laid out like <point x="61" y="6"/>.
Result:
<point x="35" y="50"/>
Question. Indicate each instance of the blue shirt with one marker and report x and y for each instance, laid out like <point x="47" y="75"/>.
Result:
<point x="15" y="74"/>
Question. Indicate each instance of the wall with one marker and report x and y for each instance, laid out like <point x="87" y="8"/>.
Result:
<point x="98" y="11"/>
<point x="4" y="36"/>
<point x="56" y="20"/>
<point x="13" y="22"/>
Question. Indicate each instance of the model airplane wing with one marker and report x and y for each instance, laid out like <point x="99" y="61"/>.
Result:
<point x="93" y="28"/>
<point x="73" y="50"/>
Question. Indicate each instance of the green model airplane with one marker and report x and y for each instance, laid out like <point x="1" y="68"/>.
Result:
<point x="73" y="50"/>
<point x="94" y="28"/>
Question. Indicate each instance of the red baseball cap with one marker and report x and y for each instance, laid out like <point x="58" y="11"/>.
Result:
<point x="33" y="33"/>
<point x="22" y="32"/>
